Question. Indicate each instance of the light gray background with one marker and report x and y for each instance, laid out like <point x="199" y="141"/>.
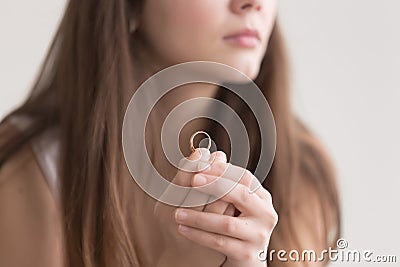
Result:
<point x="345" y="59"/>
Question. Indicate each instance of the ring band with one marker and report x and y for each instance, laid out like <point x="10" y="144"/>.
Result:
<point x="192" y="138"/>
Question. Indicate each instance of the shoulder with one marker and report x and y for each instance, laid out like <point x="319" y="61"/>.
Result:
<point x="30" y="225"/>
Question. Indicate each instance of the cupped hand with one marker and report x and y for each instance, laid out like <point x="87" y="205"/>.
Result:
<point x="239" y="238"/>
<point x="181" y="251"/>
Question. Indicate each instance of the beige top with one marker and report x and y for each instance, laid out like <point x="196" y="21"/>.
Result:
<point x="46" y="150"/>
<point x="30" y="225"/>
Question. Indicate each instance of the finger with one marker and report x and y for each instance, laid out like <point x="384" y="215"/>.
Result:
<point x="173" y="194"/>
<point x="230" y="210"/>
<point x="227" y="170"/>
<point x="229" y="246"/>
<point x="199" y="153"/>
<point x="190" y="164"/>
<point x="219" y="168"/>
<point x="236" y="173"/>
<point x="257" y="188"/>
<point x="219" y="206"/>
<point x="229" y="191"/>
<point x="194" y="197"/>
<point x="240" y="228"/>
<point x="219" y="156"/>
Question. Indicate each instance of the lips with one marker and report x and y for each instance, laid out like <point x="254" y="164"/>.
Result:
<point x="245" y="32"/>
<point x="247" y="38"/>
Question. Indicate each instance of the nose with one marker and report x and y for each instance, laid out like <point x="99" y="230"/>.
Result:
<point x="240" y="6"/>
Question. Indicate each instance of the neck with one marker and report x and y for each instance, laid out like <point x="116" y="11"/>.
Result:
<point x="163" y="108"/>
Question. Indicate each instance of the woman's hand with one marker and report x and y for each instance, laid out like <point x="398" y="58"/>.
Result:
<point x="180" y="250"/>
<point x="239" y="238"/>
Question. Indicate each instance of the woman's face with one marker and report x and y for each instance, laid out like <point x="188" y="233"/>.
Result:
<point x="176" y="31"/>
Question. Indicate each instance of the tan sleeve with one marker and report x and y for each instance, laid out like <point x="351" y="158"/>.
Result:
<point x="30" y="228"/>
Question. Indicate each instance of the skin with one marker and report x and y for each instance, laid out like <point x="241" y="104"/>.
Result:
<point x="214" y="236"/>
<point x="174" y="31"/>
<point x="215" y="233"/>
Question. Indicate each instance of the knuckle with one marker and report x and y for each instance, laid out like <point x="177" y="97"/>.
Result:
<point x="247" y="177"/>
<point x="248" y="174"/>
<point x="219" y="241"/>
<point x="262" y="236"/>
<point x="275" y="218"/>
<point x="219" y="168"/>
<point x="220" y="155"/>
<point x="272" y="219"/>
<point x="247" y="254"/>
<point x="271" y="216"/>
<point x="244" y="194"/>
<point x="230" y="225"/>
<point x="268" y="194"/>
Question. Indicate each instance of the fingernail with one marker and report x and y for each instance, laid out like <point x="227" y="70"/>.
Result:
<point x="195" y="155"/>
<point x="220" y="155"/>
<point x="183" y="228"/>
<point x="180" y="215"/>
<point x="199" y="180"/>
<point x="201" y="166"/>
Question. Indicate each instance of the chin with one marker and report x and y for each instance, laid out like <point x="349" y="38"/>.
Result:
<point x="251" y="70"/>
<point x="245" y="66"/>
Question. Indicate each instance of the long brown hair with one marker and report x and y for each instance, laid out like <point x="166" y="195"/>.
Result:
<point x="80" y="90"/>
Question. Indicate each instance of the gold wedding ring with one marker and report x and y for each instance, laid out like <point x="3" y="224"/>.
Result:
<point x="196" y="133"/>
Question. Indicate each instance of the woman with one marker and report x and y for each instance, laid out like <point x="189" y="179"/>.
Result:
<point x="69" y="129"/>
